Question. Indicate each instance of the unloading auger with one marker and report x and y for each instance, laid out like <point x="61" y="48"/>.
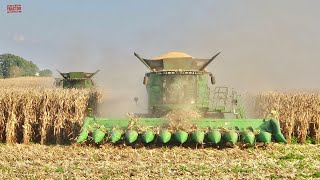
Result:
<point x="177" y="82"/>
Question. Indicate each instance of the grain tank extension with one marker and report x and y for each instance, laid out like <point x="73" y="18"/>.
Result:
<point x="177" y="82"/>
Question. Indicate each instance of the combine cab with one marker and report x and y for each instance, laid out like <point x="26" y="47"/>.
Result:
<point x="76" y="80"/>
<point x="178" y="84"/>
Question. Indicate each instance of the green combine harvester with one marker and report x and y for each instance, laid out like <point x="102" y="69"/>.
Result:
<point x="177" y="82"/>
<point x="76" y="80"/>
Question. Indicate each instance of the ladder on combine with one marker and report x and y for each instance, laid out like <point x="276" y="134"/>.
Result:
<point x="220" y="96"/>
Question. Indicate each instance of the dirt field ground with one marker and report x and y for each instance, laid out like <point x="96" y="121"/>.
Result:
<point x="74" y="162"/>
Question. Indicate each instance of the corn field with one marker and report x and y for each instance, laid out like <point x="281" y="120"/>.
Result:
<point x="298" y="113"/>
<point x="24" y="82"/>
<point x="33" y="110"/>
<point x="41" y="114"/>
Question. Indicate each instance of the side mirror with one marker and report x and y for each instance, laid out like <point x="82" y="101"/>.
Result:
<point x="213" y="79"/>
<point x="145" y="80"/>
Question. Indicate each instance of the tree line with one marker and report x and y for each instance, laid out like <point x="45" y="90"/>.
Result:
<point x="15" y="66"/>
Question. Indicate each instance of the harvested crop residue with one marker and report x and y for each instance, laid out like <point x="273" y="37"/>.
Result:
<point x="67" y="162"/>
<point x="181" y="119"/>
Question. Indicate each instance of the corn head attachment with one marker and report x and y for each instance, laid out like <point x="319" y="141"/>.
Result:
<point x="204" y="130"/>
<point x="178" y="82"/>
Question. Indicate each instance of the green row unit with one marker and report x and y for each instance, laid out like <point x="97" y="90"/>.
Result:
<point x="207" y="130"/>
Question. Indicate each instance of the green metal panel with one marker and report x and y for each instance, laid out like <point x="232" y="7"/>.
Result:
<point x="264" y="126"/>
<point x="203" y="123"/>
<point x="77" y="83"/>
<point x="154" y="89"/>
<point x="74" y="75"/>
<point x="202" y="91"/>
<point x="164" y="136"/>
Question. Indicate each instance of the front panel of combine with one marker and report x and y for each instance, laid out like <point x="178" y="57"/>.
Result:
<point x="178" y="82"/>
<point x="77" y="83"/>
<point x="170" y="90"/>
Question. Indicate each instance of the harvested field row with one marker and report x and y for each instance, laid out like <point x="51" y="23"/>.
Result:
<point x="73" y="162"/>
<point x="43" y="115"/>
<point x="298" y="112"/>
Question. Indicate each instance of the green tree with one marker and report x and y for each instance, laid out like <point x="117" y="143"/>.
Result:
<point x="45" y="73"/>
<point x="14" y="66"/>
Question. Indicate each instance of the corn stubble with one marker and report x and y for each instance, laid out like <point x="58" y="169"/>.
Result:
<point x="45" y="115"/>
<point x="298" y="112"/>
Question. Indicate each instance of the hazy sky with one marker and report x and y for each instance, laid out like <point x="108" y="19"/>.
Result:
<point x="265" y="44"/>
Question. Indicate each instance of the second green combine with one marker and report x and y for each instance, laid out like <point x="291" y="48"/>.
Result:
<point x="78" y="80"/>
<point x="182" y="107"/>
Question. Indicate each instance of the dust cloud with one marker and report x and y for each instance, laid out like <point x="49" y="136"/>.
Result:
<point x="116" y="80"/>
<point x="265" y="46"/>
